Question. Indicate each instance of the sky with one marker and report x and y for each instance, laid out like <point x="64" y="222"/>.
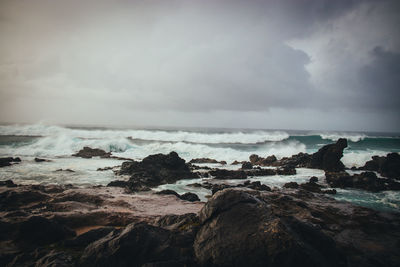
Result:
<point x="279" y="64"/>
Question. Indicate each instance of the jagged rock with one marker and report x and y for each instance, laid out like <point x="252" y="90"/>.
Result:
<point x="261" y="172"/>
<point x="286" y="171"/>
<point x="388" y="166"/>
<point x="11" y="199"/>
<point x="257" y="160"/>
<point x="238" y="162"/>
<point x="118" y="183"/>
<point x="41" y="231"/>
<point x="228" y="174"/>
<point x="88" y="153"/>
<point x="139" y="244"/>
<point x="155" y="170"/>
<point x="239" y="229"/>
<point x="328" y="157"/>
<point x="365" y="180"/>
<point x="292" y="185"/>
<point x="207" y="160"/>
<point x="8" y="161"/>
<point x="247" y="166"/>
<point x="312" y="187"/>
<point x="189" y="197"/>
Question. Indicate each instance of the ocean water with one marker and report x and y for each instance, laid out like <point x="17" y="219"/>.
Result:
<point x="58" y="143"/>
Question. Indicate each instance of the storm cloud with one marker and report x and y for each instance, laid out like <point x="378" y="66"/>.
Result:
<point x="304" y="64"/>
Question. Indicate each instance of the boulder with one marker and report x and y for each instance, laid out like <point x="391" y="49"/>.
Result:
<point x="88" y="153"/>
<point x="257" y="160"/>
<point x="247" y="166"/>
<point x="42" y="160"/>
<point x="388" y="166"/>
<point x="239" y="229"/>
<point x="328" y="157"/>
<point x="186" y="196"/>
<point x="155" y="170"/>
<point x="139" y="244"/>
<point x="41" y="231"/>
<point x="292" y="185"/>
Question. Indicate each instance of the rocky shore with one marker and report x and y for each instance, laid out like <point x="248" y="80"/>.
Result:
<point x="127" y="223"/>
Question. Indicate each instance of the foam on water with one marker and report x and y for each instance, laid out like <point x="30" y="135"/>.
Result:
<point x="354" y="137"/>
<point x="359" y="158"/>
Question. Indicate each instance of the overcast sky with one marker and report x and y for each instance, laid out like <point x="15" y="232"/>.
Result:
<point x="286" y="64"/>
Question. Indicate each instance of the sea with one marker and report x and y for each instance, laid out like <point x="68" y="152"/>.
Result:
<point x="58" y="143"/>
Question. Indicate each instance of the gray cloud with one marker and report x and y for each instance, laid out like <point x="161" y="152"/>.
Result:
<point x="207" y="63"/>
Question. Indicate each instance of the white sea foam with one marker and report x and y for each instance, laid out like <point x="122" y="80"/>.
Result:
<point x="359" y="158"/>
<point x="152" y="135"/>
<point x="354" y="137"/>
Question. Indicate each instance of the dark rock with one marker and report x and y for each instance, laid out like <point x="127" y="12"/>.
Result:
<point x="155" y="170"/>
<point x="41" y="231"/>
<point x="247" y="165"/>
<point x="239" y="229"/>
<point x="8" y="183"/>
<point x="168" y="192"/>
<point x="258" y="186"/>
<point x="286" y="171"/>
<point x="261" y="172"/>
<point x="42" y="160"/>
<point x="238" y="162"/>
<point x="91" y="236"/>
<point x="207" y="160"/>
<point x="54" y="258"/>
<point x="228" y="174"/>
<point x="189" y="197"/>
<point x="195" y="185"/>
<point x="140" y="244"/>
<point x="311" y="186"/>
<point x="10" y="199"/>
<point x="88" y="153"/>
<point x="329" y="191"/>
<point x="365" y="180"/>
<point x="300" y="160"/>
<point x="388" y="166"/>
<point x="328" y="157"/>
<point x="184" y="222"/>
<point x="313" y="179"/>
<point x="256" y="160"/>
<point x="118" y="183"/>
<point x="8" y="161"/>
<point x="292" y="185"/>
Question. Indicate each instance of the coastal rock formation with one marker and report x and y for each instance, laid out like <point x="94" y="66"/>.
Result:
<point x="103" y="226"/>
<point x="365" y="180"/>
<point x="155" y="170"/>
<point x="328" y="157"/>
<point x="388" y="166"/>
<point x="207" y="160"/>
<point x="88" y="153"/>
<point x="228" y="174"/>
<point x="257" y="160"/>
<point x="9" y="161"/>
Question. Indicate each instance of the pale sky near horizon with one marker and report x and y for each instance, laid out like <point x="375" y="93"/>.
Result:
<point x="288" y="64"/>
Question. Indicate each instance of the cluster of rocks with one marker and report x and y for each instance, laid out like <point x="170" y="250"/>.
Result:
<point x="311" y="186"/>
<point x="154" y="170"/>
<point x="326" y="158"/>
<point x="388" y="166"/>
<point x="236" y="227"/>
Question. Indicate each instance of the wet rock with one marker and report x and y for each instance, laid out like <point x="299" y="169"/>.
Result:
<point x="54" y="258"/>
<point x="257" y="160"/>
<point x="186" y="196"/>
<point x="42" y="160"/>
<point x="228" y="174"/>
<point x="292" y="185"/>
<point x="365" y="180"/>
<point x="8" y="161"/>
<point x="140" y="244"/>
<point x="189" y="197"/>
<point x="184" y="222"/>
<point x="155" y="170"/>
<point x="207" y="160"/>
<point x="238" y="229"/>
<point x="11" y="199"/>
<point x="64" y="170"/>
<point x="118" y="183"/>
<point x="388" y="166"/>
<point x="300" y="160"/>
<point x="313" y="179"/>
<point x="258" y="186"/>
<point x="261" y="172"/>
<point x="312" y="187"/>
<point x="328" y="157"/>
<point x="247" y="166"/>
<point x="88" y="153"/>
<point x="238" y="162"/>
<point x="41" y="231"/>
<point x="91" y="236"/>
<point x="286" y="171"/>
